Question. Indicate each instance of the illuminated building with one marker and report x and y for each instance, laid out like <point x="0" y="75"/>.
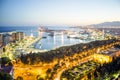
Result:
<point x="1" y="48"/>
<point x="13" y="37"/>
<point x="16" y="36"/>
<point x="1" y="40"/>
<point x="6" y="39"/>
<point x="19" y="36"/>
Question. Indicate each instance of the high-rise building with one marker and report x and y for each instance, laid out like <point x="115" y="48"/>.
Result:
<point x="1" y="48"/>
<point x="6" y="39"/>
<point x="20" y="35"/>
<point x="1" y="40"/>
<point x="16" y="36"/>
<point x="13" y="36"/>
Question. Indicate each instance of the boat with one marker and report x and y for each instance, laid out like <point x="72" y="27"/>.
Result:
<point x="42" y="29"/>
<point x="55" y="33"/>
<point x="44" y="37"/>
<point x="72" y="36"/>
<point x="78" y="36"/>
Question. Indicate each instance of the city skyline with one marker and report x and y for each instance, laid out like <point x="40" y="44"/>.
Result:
<point x="58" y="12"/>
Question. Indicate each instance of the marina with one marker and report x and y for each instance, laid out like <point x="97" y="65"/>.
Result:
<point x="59" y="40"/>
<point x="46" y="39"/>
<point x="53" y="38"/>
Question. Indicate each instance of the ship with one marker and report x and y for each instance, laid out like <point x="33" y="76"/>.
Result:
<point x="42" y="29"/>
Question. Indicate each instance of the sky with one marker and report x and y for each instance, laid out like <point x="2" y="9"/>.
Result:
<point x="58" y="12"/>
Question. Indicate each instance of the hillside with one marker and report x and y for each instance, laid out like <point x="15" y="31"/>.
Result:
<point x="115" y="24"/>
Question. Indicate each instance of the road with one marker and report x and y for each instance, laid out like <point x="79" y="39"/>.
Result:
<point x="86" y="59"/>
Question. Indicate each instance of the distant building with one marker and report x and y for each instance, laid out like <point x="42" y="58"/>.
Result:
<point x="0" y="57"/>
<point x="19" y="36"/>
<point x="16" y="36"/>
<point x="13" y="37"/>
<point x="1" y="40"/>
<point x="6" y="39"/>
<point x="1" y="49"/>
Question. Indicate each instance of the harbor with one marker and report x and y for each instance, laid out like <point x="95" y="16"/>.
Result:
<point x="42" y="39"/>
<point x="60" y="40"/>
<point x="53" y="38"/>
<point x="43" y="51"/>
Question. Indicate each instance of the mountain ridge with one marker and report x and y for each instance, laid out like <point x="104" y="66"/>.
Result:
<point x="106" y="24"/>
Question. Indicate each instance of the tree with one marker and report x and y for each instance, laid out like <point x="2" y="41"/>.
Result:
<point x="5" y="60"/>
<point x="5" y="76"/>
<point x="38" y="77"/>
<point x="19" y="78"/>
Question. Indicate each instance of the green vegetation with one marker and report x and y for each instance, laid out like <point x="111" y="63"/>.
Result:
<point x="68" y="56"/>
<point x="4" y="61"/>
<point x="5" y="76"/>
<point x="110" y="70"/>
<point x="78" y="72"/>
<point x="64" y="58"/>
<point x="61" y="52"/>
<point x="19" y="78"/>
<point x="94" y="71"/>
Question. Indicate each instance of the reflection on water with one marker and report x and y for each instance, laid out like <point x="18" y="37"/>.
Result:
<point x="51" y="42"/>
